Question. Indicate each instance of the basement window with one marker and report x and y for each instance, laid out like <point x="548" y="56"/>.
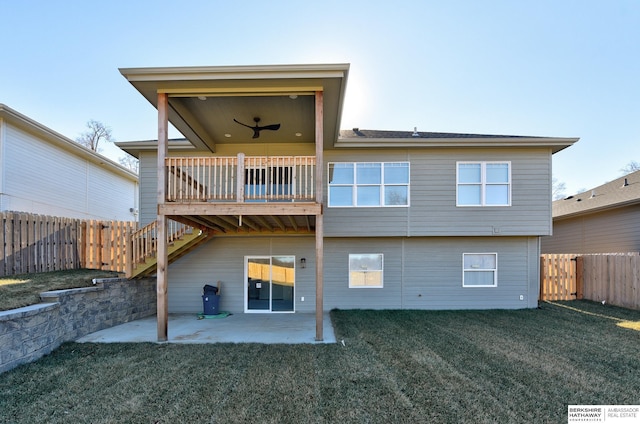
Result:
<point x="366" y="270"/>
<point x="480" y="270"/>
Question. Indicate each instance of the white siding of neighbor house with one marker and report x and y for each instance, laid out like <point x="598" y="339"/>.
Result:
<point x="419" y="273"/>
<point x="612" y="231"/>
<point x="39" y="177"/>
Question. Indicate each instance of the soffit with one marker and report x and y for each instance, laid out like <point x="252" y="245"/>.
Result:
<point x="203" y="102"/>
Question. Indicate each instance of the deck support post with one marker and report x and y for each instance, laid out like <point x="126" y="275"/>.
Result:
<point x="319" y="106"/>
<point x="161" y="282"/>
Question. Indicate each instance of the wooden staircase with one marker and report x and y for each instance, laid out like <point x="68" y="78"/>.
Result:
<point x="142" y="259"/>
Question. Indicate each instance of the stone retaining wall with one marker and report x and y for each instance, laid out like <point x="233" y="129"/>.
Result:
<point x="29" y="333"/>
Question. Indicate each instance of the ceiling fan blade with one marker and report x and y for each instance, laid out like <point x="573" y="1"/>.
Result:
<point x="244" y="125"/>
<point x="272" y="127"/>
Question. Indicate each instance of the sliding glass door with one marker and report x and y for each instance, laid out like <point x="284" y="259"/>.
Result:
<point x="269" y="283"/>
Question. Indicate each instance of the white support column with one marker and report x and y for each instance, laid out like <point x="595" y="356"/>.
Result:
<point x="161" y="283"/>
<point x="319" y="217"/>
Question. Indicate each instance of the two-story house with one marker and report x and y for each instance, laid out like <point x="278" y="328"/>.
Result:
<point x="605" y="219"/>
<point x="43" y="172"/>
<point x="293" y="215"/>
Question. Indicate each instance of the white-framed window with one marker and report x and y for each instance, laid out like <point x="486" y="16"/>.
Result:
<point x="483" y="184"/>
<point x="368" y="184"/>
<point x="479" y="270"/>
<point x="366" y="270"/>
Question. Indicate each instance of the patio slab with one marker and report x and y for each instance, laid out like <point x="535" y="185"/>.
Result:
<point x="236" y="328"/>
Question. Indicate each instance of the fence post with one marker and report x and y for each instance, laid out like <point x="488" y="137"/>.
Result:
<point x="128" y="252"/>
<point x="542" y="277"/>
<point x="579" y="277"/>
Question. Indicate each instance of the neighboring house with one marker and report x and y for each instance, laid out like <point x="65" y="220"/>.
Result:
<point x="301" y="217"/>
<point x="43" y="172"/>
<point x="605" y="219"/>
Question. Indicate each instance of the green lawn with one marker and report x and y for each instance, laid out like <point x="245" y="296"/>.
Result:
<point x="394" y="367"/>
<point x="17" y="291"/>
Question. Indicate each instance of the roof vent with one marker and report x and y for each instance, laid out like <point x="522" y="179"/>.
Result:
<point x="356" y="129"/>
<point x="415" y="132"/>
<point x="593" y="194"/>
<point x="626" y="183"/>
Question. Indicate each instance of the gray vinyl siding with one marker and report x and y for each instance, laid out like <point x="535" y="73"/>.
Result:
<point x="612" y="231"/>
<point x="433" y="210"/>
<point x="222" y="259"/>
<point x="419" y="273"/>
<point x="40" y="177"/>
<point x="426" y="273"/>
<point x="148" y="174"/>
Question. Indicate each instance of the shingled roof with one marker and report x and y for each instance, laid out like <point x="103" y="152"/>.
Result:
<point x="361" y="138"/>
<point x="623" y="191"/>
<point x="357" y="132"/>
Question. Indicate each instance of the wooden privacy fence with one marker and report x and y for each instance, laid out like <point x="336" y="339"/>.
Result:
<point x="558" y="277"/>
<point x="32" y="243"/>
<point x="104" y="244"/>
<point x="613" y="278"/>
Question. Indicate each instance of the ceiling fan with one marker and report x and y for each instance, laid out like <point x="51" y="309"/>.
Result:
<point x="257" y="128"/>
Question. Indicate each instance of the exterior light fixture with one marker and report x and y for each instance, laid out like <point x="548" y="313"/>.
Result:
<point x="303" y="262"/>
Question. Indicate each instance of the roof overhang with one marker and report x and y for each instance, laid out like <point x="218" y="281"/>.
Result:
<point x="556" y="144"/>
<point x="204" y="101"/>
<point x="134" y="148"/>
<point x="31" y="126"/>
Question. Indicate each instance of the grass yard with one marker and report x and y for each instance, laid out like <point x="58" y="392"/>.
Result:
<point x="394" y="367"/>
<point x="17" y="291"/>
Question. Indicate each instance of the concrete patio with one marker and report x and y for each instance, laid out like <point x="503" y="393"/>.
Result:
<point x="236" y="328"/>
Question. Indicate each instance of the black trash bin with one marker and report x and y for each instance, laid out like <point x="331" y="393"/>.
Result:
<point x="210" y="300"/>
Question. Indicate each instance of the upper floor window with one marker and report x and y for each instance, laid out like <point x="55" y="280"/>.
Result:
<point x="368" y="184"/>
<point x="483" y="184"/>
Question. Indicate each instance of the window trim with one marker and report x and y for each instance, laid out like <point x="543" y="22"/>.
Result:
<point x="483" y="183"/>
<point x="382" y="185"/>
<point x="381" y="271"/>
<point x="495" y="270"/>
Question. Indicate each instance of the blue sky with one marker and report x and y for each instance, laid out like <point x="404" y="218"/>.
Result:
<point x="566" y="68"/>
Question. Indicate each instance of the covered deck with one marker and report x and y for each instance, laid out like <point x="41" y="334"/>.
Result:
<point x="240" y="181"/>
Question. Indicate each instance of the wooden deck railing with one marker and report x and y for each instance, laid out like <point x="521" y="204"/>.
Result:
<point x="144" y="242"/>
<point x="241" y="179"/>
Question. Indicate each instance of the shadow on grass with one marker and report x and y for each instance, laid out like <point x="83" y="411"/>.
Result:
<point x="395" y="366"/>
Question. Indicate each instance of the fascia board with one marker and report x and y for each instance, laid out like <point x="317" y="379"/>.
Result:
<point x="556" y="144"/>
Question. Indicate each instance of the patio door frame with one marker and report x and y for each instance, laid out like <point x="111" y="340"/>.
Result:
<point x="246" y="285"/>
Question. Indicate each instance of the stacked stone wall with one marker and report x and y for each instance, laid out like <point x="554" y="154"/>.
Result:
<point x="29" y="333"/>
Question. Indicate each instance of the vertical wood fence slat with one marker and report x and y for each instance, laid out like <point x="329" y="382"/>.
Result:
<point x="2" y="246"/>
<point x="37" y="243"/>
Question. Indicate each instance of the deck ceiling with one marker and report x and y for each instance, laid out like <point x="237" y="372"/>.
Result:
<point x="236" y="225"/>
<point x="204" y="101"/>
